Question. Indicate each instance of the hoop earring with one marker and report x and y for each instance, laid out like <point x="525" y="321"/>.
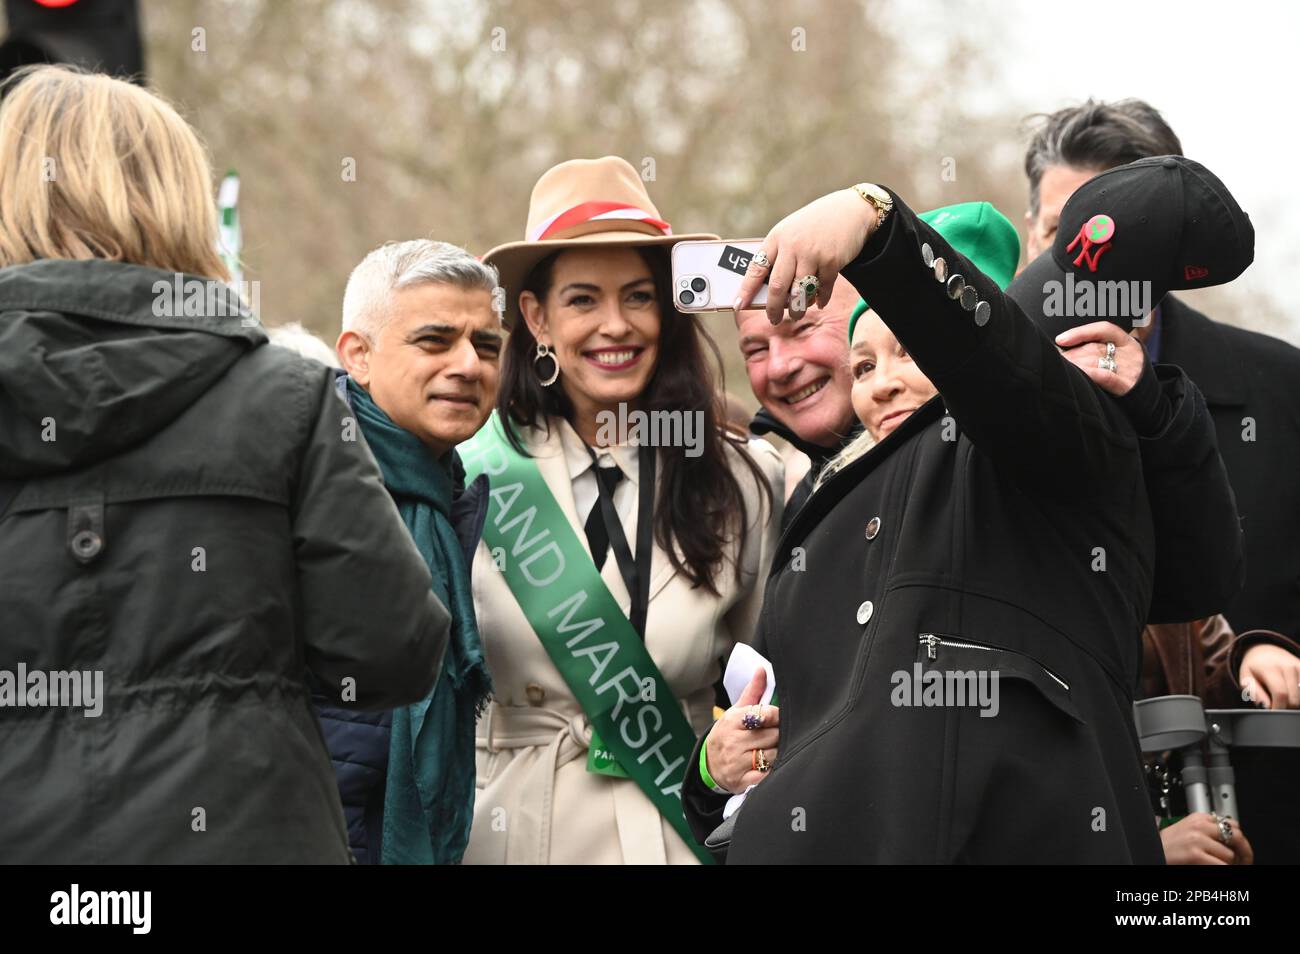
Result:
<point x="544" y="351"/>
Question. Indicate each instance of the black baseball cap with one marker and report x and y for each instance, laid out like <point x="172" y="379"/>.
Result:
<point x="1130" y="235"/>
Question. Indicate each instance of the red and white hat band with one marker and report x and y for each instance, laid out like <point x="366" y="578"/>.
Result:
<point x="592" y="212"/>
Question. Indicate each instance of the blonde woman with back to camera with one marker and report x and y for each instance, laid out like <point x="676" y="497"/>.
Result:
<point x="185" y="531"/>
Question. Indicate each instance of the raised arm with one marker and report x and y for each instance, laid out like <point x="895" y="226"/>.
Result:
<point x="1003" y="379"/>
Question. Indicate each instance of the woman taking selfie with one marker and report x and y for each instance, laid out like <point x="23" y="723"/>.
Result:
<point x="626" y="539"/>
<point x="956" y="665"/>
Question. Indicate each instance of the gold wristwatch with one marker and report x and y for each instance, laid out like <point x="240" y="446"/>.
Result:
<point x="877" y="198"/>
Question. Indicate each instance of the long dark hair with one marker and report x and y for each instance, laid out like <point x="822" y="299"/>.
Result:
<point x="701" y="511"/>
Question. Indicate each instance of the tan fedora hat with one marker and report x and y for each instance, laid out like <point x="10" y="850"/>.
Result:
<point x="581" y="202"/>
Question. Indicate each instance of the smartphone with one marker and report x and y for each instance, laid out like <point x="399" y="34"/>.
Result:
<point x="707" y="274"/>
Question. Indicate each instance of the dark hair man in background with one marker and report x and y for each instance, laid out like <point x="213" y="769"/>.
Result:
<point x="1251" y="383"/>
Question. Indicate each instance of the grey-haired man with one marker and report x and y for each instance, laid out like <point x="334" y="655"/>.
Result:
<point x="421" y="348"/>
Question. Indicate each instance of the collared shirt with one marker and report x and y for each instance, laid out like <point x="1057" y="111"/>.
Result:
<point x="586" y="495"/>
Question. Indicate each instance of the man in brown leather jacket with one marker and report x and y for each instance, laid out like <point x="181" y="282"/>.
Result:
<point x="1204" y="658"/>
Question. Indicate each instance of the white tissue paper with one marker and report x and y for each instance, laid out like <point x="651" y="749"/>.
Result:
<point x="744" y="662"/>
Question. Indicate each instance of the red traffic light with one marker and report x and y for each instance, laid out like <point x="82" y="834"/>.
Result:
<point x="103" y="35"/>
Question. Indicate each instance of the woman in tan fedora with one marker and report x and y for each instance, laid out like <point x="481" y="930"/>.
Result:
<point x="626" y="542"/>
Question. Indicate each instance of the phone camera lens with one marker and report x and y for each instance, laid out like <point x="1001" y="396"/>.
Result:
<point x="699" y="284"/>
<point x="687" y="296"/>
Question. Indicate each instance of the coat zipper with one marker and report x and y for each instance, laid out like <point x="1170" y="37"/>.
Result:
<point x="932" y="641"/>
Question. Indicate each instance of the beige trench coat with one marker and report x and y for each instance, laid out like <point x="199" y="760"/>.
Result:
<point x="536" y="802"/>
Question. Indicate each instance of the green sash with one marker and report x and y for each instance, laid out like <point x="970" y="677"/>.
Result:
<point x="603" y="661"/>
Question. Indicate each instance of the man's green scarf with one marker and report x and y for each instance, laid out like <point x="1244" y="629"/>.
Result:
<point x="429" y="802"/>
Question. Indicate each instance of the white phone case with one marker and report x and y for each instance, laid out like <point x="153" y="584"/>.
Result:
<point x="707" y="274"/>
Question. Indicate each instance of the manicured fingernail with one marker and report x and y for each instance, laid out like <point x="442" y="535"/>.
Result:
<point x="735" y="305"/>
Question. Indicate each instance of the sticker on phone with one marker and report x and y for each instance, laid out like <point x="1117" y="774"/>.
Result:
<point x="735" y="259"/>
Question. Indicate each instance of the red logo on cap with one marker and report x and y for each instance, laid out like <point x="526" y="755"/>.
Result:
<point x="1192" y="272"/>
<point x="1095" y="236"/>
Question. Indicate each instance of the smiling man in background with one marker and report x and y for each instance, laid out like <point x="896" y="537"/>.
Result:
<point x="799" y="371"/>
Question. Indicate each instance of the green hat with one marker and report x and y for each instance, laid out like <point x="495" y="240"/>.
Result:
<point x="978" y="231"/>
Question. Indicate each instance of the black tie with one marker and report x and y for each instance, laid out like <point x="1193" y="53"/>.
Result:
<point x="597" y="536"/>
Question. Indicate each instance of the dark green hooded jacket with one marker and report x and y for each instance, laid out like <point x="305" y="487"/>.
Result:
<point x="191" y="514"/>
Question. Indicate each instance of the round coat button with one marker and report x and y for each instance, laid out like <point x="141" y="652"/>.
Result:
<point x="865" y="611"/>
<point x="873" y="527"/>
<point x="969" y="298"/>
<point x="982" y="312"/>
<point x="86" y="544"/>
<point x="927" y="254"/>
<point x="535" y="693"/>
<point x="1170" y="163"/>
<point x="940" y="270"/>
<point x="955" y="285"/>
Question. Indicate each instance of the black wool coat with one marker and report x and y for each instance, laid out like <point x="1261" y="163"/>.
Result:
<point x="1200" y="562"/>
<point x="1003" y="528"/>
<point x="1251" y="384"/>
